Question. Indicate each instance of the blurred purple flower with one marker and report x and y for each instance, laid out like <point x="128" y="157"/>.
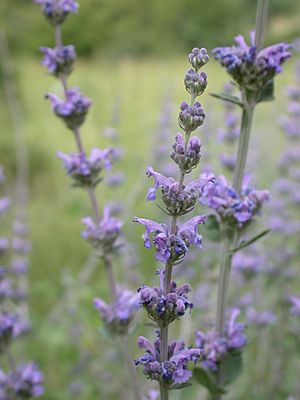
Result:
<point x="59" y="60"/>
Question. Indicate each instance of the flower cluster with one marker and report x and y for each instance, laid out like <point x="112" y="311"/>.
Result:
<point x="103" y="235"/>
<point x="248" y="264"/>
<point x="56" y="10"/>
<point x="248" y="67"/>
<point x="234" y="208"/>
<point x="186" y="156"/>
<point x="73" y="110"/>
<point x="195" y="83"/>
<point x="119" y="315"/>
<point x="191" y="116"/>
<point x="85" y="171"/>
<point x="24" y="383"/>
<point x="7" y="327"/>
<point x="59" y="61"/>
<point x="172" y="371"/>
<point x="169" y="245"/>
<point x="178" y="198"/>
<point x="214" y="348"/>
<point x="165" y="308"/>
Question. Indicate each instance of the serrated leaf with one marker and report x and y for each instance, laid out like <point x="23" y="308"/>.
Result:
<point x="246" y="243"/>
<point x="178" y="386"/>
<point x="267" y="93"/>
<point x="232" y="366"/>
<point x="208" y="379"/>
<point x="229" y="98"/>
<point x="211" y="229"/>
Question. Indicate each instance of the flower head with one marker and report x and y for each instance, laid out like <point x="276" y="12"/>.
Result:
<point x="165" y="308"/>
<point x="186" y="157"/>
<point x="59" y="61"/>
<point x="85" y="171"/>
<point x="104" y="235"/>
<point x="119" y="315"/>
<point x="169" y="245"/>
<point x="56" y="10"/>
<point x="191" y="117"/>
<point x="73" y="110"/>
<point x="26" y="381"/>
<point x="234" y="208"/>
<point x="178" y="199"/>
<point x="195" y="83"/>
<point x="175" y="369"/>
<point x="248" y="67"/>
<point x="198" y="58"/>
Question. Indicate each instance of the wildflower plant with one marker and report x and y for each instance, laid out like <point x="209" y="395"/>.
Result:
<point x="102" y="230"/>
<point x="168" y="363"/>
<point x="253" y="70"/>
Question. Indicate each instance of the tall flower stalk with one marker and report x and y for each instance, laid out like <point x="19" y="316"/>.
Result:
<point x="102" y="231"/>
<point x="164" y="361"/>
<point x="253" y="70"/>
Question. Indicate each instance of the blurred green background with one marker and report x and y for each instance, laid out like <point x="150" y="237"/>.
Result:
<point x="136" y="51"/>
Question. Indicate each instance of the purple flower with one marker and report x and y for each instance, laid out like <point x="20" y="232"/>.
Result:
<point x="172" y="371"/>
<point x="234" y="208"/>
<point x="234" y="332"/>
<point x="59" y="61"/>
<point x="164" y="309"/>
<point x="102" y="236"/>
<point x="228" y="161"/>
<point x="214" y="348"/>
<point x="248" y="264"/>
<point x="249" y="68"/>
<point x="191" y="117"/>
<point x="169" y="245"/>
<point x="19" y="266"/>
<point x="119" y="315"/>
<point x="195" y="83"/>
<point x="20" y="246"/>
<point x="295" y="305"/>
<point x="187" y="158"/>
<point x="26" y="381"/>
<point x="198" y="58"/>
<point x="86" y="171"/>
<point x="73" y="110"/>
<point x="178" y="199"/>
<point x="57" y="10"/>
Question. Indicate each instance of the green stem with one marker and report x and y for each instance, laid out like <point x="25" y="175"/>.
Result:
<point x="243" y="146"/>
<point x="261" y="22"/>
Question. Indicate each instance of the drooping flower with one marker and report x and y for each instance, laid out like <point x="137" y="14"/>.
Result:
<point x="85" y="171"/>
<point x="56" y="10"/>
<point x="59" y="60"/>
<point x="169" y="245"/>
<point x="104" y="235"/>
<point x="175" y="369"/>
<point x="73" y="110"/>
<point x="119" y="315"/>
<point x="249" y="68"/>
<point x="165" y="308"/>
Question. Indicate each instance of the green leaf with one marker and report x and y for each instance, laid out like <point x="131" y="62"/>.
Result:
<point x="229" y="98"/>
<point x="211" y="229"/>
<point x="178" y="386"/>
<point x="208" y="379"/>
<point x="246" y="243"/>
<point x="232" y="366"/>
<point x="267" y="93"/>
